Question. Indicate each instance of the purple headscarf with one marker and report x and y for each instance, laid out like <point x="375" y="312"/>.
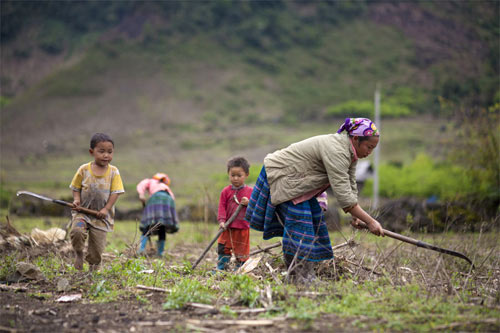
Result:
<point x="359" y="127"/>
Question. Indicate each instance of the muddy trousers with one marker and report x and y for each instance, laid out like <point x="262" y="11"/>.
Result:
<point x="80" y="231"/>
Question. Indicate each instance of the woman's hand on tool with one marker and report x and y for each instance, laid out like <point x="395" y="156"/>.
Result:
<point x="356" y="223"/>
<point x="359" y="214"/>
<point x="374" y="226"/>
<point x="221" y="224"/>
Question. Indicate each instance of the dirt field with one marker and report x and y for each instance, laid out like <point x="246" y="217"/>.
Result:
<point x="374" y="284"/>
<point x="32" y="307"/>
<point x="33" y="315"/>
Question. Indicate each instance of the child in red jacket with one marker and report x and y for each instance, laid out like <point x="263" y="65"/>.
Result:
<point x="236" y="238"/>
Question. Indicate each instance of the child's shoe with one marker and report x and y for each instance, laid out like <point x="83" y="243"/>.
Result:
<point x="161" y="247"/>
<point x="238" y="264"/>
<point x="222" y="262"/>
<point x="142" y="244"/>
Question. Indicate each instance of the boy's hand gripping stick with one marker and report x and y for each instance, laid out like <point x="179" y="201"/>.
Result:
<point x="221" y="230"/>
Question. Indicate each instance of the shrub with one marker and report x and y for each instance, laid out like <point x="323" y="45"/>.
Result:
<point x="477" y="149"/>
<point x="400" y="102"/>
<point x="423" y="178"/>
<point x="5" y="196"/>
<point x="366" y="109"/>
<point x="53" y="37"/>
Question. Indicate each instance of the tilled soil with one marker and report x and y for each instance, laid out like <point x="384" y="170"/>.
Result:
<point x="32" y="306"/>
<point x="24" y="312"/>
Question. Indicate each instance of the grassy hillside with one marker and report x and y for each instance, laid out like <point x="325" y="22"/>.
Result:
<point x="182" y="87"/>
<point x="196" y="169"/>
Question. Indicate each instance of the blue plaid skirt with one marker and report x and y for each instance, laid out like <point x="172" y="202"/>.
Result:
<point x="302" y="226"/>
<point x="160" y="208"/>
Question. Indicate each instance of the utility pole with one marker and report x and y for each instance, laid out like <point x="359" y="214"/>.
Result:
<point x="376" y="157"/>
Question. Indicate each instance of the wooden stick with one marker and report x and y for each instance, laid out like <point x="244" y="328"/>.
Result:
<point x="221" y="230"/>
<point x="265" y="249"/>
<point x="350" y="242"/>
<point x="211" y="307"/>
<point x="253" y="322"/>
<point x="13" y="288"/>
<point x="162" y="290"/>
<point x="272" y="246"/>
<point x="372" y="270"/>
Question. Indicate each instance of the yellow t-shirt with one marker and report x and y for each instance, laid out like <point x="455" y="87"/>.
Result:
<point x="95" y="190"/>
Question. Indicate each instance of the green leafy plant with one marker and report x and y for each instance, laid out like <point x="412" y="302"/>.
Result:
<point x="99" y="289"/>
<point x="304" y="309"/>
<point x="246" y="288"/>
<point x="51" y="266"/>
<point x="7" y="265"/>
<point x="188" y="290"/>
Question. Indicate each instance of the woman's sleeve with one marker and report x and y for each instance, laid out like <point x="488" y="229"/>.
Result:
<point x="142" y="187"/>
<point x="337" y="167"/>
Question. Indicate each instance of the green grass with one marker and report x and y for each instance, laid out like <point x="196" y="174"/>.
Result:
<point x="446" y="298"/>
<point x="188" y="290"/>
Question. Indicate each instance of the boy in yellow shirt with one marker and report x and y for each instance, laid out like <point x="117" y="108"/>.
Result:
<point x="96" y="185"/>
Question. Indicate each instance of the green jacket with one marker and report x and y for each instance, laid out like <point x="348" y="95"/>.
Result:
<point x="310" y="164"/>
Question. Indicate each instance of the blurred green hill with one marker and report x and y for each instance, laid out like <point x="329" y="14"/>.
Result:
<point x="183" y="85"/>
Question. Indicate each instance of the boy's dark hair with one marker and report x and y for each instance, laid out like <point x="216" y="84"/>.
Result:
<point x="238" y="161"/>
<point x="100" y="137"/>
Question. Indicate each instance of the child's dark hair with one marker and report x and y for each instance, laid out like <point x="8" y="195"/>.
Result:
<point x="238" y="161"/>
<point x="100" y="137"/>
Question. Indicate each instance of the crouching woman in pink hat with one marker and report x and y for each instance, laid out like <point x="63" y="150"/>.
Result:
<point x="159" y="215"/>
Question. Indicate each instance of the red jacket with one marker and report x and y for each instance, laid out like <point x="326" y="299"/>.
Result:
<point x="227" y="206"/>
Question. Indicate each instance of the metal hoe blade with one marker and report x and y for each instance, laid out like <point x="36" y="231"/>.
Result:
<point x="67" y="204"/>
<point x="421" y="244"/>
<point x="34" y="195"/>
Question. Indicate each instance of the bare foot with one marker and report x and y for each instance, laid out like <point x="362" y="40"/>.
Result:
<point x="79" y="260"/>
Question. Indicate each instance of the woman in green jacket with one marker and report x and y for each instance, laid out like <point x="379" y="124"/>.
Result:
<point x="283" y="201"/>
